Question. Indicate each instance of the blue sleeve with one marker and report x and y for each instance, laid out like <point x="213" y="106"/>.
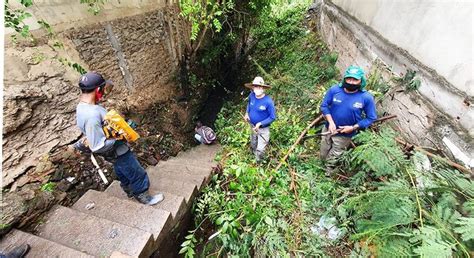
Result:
<point x="271" y="114"/>
<point x="370" y="113"/>
<point x="248" y="102"/>
<point x="327" y="101"/>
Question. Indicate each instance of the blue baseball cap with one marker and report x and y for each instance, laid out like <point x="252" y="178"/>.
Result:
<point x="92" y="80"/>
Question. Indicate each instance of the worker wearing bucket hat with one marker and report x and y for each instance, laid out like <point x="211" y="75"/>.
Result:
<point x="260" y="114"/>
<point x="347" y="107"/>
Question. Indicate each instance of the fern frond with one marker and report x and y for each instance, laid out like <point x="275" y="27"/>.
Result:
<point x="383" y="211"/>
<point x="431" y="243"/>
<point x="469" y="207"/>
<point x="465" y="227"/>
<point x="456" y="180"/>
<point x="394" y="246"/>
<point x="378" y="153"/>
<point x="445" y="209"/>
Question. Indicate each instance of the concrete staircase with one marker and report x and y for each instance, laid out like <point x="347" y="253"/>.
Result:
<point x="108" y="224"/>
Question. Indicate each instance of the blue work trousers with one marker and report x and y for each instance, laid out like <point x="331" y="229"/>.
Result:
<point x="131" y="174"/>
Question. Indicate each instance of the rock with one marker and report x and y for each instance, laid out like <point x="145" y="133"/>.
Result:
<point x="45" y="69"/>
<point x="58" y="174"/>
<point x="64" y="186"/>
<point x="90" y="206"/>
<point x="13" y="208"/>
<point x="23" y="180"/>
<point x="151" y="160"/>
<point x="16" y="69"/>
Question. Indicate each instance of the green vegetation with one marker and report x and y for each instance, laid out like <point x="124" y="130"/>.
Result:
<point x="15" y="19"/>
<point x="94" y="6"/>
<point x="48" y="187"/>
<point x="386" y="201"/>
<point x="3" y="226"/>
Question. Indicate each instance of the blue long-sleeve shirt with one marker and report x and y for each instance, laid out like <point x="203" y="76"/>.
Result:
<point x="347" y="108"/>
<point x="261" y="110"/>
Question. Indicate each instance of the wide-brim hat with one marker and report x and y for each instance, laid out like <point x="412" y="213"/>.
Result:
<point x="258" y="81"/>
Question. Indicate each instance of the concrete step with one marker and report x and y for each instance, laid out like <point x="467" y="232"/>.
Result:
<point x="172" y="203"/>
<point x="177" y="174"/>
<point x="206" y="172"/>
<point x="130" y="213"/>
<point x="116" y="254"/>
<point x="202" y="153"/>
<point x="181" y="165"/>
<point x="176" y="187"/>
<point x="209" y="150"/>
<point x="191" y="162"/>
<point x="39" y="247"/>
<point x="196" y="156"/>
<point x="93" y="235"/>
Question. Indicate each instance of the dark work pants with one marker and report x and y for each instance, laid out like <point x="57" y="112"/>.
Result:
<point x="131" y="174"/>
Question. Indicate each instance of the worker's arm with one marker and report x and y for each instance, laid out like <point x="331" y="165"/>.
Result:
<point x="325" y="104"/>
<point x="271" y="115"/>
<point x="96" y="138"/>
<point x="370" y="113"/>
<point x="247" y="110"/>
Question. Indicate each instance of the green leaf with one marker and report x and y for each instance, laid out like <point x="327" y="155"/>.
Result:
<point x="225" y="227"/>
<point x="186" y="243"/>
<point x="217" y="25"/>
<point x="269" y="221"/>
<point x="238" y="171"/>
<point x="190" y="253"/>
<point x="220" y="220"/>
<point x="235" y="233"/>
<point x="26" y="3"/>
<point x="183" y="250"/>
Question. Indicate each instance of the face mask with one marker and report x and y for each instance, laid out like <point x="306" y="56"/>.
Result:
<point x="258" y="92"/>
<point x="98" y="94"/>
<point x="351" y="87"/>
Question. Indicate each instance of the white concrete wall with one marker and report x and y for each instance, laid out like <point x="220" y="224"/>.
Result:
<point x="437" y="33"/>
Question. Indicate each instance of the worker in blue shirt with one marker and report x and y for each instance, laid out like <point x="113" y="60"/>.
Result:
<point x="260" y="114"/>
<point x="347" y="107"/>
